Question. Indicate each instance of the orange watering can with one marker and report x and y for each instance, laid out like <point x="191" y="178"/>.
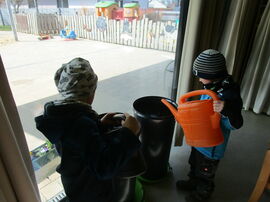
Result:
<point x="200" y="123"/>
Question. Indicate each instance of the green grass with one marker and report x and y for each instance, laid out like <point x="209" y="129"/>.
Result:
<point x="5" y="28"/>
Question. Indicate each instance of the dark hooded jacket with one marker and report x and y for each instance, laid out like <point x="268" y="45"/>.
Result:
<point x="90" y="157"/>
<point x="229" y="91"/>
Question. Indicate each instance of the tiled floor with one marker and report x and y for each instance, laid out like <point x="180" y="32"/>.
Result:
<point x="50" y="187"/>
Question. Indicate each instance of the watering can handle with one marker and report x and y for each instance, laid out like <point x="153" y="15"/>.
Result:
<point x="198" y="92"/>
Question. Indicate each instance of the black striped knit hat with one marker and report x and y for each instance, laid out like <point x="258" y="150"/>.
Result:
<point x="210" y="64"/>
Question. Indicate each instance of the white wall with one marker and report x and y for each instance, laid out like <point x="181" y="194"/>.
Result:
<point x="76" y="3"/>
<point x="47" y="3"/>
<point x="24" y="4"/>
<point x="81" y="3"/>
<point x="41" y="4"/>
<point x="91" y="3"/>
<point x="143" y="4"/>
<point x="5" y="17"/>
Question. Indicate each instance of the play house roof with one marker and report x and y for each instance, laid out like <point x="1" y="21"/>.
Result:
<point x="131" y="5"/>
<point x="105" y="4"/>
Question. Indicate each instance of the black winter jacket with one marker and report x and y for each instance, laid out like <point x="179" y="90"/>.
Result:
<point x="229" y="91"/>
<point x="90" y="158"/>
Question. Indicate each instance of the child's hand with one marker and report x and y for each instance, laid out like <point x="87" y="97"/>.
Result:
<point x="108" y="120"/>
<point x="131" y="123"/>
<point x="218" y="105"/>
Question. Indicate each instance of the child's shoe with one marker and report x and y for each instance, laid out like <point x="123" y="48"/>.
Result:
<point x="186" y="185"/>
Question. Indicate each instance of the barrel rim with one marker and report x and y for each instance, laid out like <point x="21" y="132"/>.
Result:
<point x="169" y="115"/>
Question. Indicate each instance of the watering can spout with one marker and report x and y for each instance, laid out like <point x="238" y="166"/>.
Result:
<point x="171" y="106"/>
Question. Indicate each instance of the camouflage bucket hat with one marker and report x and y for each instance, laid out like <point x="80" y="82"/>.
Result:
<point x="76" y="79"/>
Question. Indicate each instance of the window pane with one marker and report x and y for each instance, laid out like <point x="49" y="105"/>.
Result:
<point x="132" y="53"/>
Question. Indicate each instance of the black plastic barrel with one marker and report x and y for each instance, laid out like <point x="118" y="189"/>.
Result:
<point x="157" y="126"/>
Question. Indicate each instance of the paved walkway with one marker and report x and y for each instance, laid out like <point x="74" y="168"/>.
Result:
<point x="6" y="38"/>
<point x="31" y="64"/>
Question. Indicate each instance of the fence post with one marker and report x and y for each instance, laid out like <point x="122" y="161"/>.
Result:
<point x="36" y="23"/>
<point x="12" y="20"/>
<point x="2" y="18"/>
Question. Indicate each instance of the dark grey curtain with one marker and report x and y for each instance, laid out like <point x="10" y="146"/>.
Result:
<point x="256" y="80"/>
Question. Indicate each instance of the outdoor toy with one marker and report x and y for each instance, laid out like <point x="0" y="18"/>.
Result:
<point x="110" y="9"/>
<point x="131" y="11"/>
<point x="200" y="123"/>
<point x="68" y="35"/>
<point x="105" y="8"/>
<point x="118" y="14"/>
<point x="45" y="37"/>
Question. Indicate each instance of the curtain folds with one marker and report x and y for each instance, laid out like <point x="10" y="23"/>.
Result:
<point x="236" y="40"/>
<point x="256" y="81"/>
<point x="15" y="165"/>
<point x="204" y="25"/>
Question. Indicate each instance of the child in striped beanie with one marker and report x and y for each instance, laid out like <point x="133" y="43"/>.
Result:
<point x="210" y="68"/>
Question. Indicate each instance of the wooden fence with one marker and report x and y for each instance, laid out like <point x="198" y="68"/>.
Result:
<point x="37" y="24"/>
<point x="142" y="33"/>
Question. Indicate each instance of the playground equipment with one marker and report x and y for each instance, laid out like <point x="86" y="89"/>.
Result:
<point x="68" y="34"/>
<point x="118" y="14"/>
<point x="45" y="37"/>
<point x="200" y="123"/>
<point x="111" y="10"/>
<point x="131" y="11"/>
<point x="105" y="8"/>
